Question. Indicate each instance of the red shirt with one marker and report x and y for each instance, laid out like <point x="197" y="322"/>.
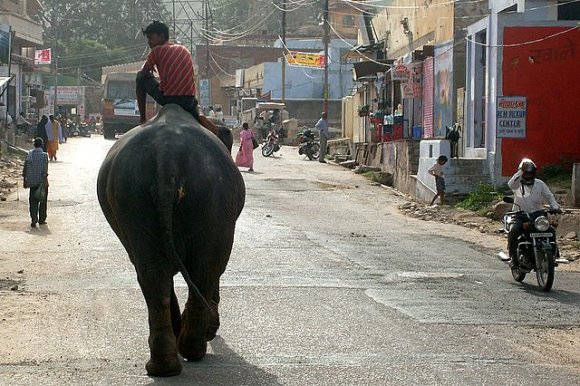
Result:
<point x="175" y="67"/>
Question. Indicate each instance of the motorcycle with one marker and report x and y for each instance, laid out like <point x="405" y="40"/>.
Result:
<point x="271" y="144"/>
<point x="84" y="130"/>
<point x="71" y="129"/>
<point x="308" y="145"/>
<point x="537" y="249"/>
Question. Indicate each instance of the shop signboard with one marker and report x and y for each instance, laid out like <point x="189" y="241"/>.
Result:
<point x="400" y="73"/>
<point x="511" y="112"/>
<point x="305" y="59"/>
<point x="204" y="93"/>
<point x="43" y="56"/>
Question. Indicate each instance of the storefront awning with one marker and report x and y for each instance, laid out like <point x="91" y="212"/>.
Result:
<point x="4" y="82"/>
<point x="368" y="68"/>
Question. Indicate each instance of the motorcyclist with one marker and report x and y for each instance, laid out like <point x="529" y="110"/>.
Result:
<point x="272" y="135"/>
<point x="529" y="194"/>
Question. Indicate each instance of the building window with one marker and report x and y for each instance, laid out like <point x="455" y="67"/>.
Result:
<point x="348" y="20"/>
<point x="569" y="10"/>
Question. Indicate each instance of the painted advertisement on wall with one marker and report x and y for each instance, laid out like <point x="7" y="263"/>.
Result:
<point x="443" y="99"/>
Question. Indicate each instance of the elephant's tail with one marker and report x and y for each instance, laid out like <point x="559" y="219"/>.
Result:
<point x="169" y="193"/>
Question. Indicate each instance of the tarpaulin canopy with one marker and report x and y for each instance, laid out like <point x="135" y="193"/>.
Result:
<point x="4" y="82"/>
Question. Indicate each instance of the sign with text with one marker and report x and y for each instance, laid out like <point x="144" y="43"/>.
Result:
<point x="305" y="59"/>
<point x="126" y="107"/>
<point x="400" y="72"/>
<point x="511" y="115"/>
<point x="42" y="56"/>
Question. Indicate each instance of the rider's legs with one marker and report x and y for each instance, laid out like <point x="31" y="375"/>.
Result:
<point x="516" y="230"/>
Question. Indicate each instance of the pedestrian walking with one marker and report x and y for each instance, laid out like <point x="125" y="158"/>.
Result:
<point x="54" y="136"/>
<point x="245" y="156"/>
<point x="437" y="171"/>
<point x="322" y="126"/>
<point x="41" y="132"/>
<point x="35" y="176"/>
<point x="22" y="125"/>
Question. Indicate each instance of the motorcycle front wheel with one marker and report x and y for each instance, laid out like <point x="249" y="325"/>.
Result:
<point x="267" y="150"/>
<point x="314" y="152"/>
<point x="518" y="274"/>
<point x="545" y="272"/>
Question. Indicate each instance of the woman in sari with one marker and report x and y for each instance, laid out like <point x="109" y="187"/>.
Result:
<point x="245" y="156"/>
<point x="54" y="136"/>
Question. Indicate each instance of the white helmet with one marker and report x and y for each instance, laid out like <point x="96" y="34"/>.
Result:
<point x="528" y="168"/>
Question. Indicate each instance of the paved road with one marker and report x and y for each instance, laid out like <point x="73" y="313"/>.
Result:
<point x="327" y="285"/>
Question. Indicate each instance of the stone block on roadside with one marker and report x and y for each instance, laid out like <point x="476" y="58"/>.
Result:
<point x="570" y="236"/>
<point x="500" y="209"/>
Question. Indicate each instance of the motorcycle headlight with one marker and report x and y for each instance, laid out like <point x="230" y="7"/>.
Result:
<point x="542" y="224"/>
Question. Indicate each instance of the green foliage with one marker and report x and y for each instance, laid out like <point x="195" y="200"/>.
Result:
<point x="558" y="175"/>
<point x="92" y="34"/>
<point x="480" y="199"/>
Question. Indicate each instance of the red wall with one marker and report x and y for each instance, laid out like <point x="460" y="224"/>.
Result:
<point x="550" y="79"/>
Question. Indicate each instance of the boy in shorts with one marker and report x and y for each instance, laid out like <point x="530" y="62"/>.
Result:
<point x="437" y="171"/>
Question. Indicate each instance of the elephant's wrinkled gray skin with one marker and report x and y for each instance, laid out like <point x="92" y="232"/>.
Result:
<point x="172" y="194"/>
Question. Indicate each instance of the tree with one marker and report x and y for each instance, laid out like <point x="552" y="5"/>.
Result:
<point x="92" y="34"/>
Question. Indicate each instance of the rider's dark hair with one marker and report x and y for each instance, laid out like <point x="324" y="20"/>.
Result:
<point x="442" y="158"/>
<point x="157" y="27"/>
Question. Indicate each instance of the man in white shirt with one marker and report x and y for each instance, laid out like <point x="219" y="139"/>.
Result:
<point x="529" y="195"/>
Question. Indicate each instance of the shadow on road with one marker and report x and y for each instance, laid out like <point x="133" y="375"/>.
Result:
<point x="562" y="296"/>
<point x="223" y="367"/>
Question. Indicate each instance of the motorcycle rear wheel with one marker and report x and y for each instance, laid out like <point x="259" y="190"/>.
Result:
<point x="267" y="150"/>
<point x="545" y="272"/>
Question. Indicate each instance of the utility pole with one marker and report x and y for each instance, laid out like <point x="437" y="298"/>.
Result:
<point x="326" y="41"/>
<point x="79" y="91"/>
<point x="174" y="29"/>
<point x="55" y="57"/>
<point x="283" y="6"/>
<point x="206" y="11"/>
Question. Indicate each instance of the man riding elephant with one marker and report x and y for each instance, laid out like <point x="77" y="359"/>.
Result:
<point x="174" y="65"/>
<point x="172" y="193"/>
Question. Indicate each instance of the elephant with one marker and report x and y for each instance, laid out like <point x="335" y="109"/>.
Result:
<point x="172" y="194"/>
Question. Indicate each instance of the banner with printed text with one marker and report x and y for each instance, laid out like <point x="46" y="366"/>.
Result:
<point x="305" y="59"/>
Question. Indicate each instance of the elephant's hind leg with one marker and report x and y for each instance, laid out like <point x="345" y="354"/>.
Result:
<point x="157" y="288"/>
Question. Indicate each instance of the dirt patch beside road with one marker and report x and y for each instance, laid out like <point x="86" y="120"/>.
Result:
<point x="10" y="175"/>
<point x="569" y="245"/>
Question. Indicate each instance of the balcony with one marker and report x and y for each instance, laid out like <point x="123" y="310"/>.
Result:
<point x="26" y="30"/>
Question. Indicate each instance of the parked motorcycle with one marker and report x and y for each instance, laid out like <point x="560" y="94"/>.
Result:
<point x="308" y="145"/>
<point x="537" y="249"/>
<point x="271" y="144"/>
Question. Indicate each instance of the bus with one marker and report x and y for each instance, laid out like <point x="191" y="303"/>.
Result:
<point x="120" y="110"/>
